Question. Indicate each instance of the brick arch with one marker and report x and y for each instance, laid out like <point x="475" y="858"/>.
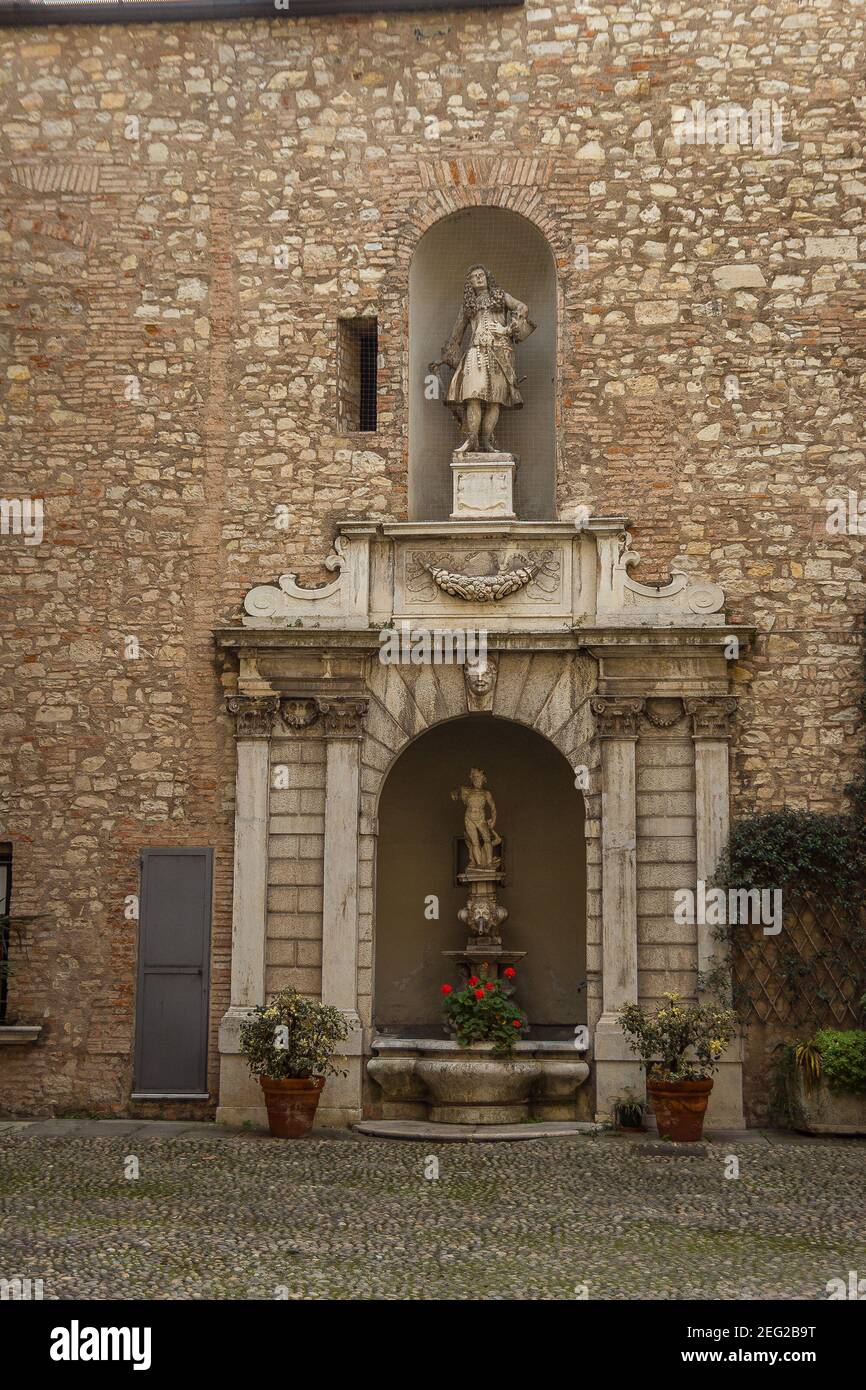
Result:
<point x="446" y="199"/>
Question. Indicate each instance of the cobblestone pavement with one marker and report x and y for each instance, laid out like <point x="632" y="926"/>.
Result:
<point x="247" y="1217"/>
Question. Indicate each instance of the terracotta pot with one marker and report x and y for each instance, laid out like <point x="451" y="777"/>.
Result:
<point x="291" y="1103"/>
<point x="679" y="1108"/>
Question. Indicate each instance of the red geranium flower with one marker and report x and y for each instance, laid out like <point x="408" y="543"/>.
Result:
<point x="509" y="972"/>
<point x="479" y="994"/>
<point x="473" y="980"/>
<point x="446" y="989"/>
<point x="490" y="985"/>
<point x="516" y="1022"/>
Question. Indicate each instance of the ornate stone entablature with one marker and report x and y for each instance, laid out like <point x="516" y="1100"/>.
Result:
<point x="256" y="716"/>
<point x="550" y="575"/>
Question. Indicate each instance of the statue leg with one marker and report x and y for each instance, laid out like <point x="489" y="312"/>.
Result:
<point x="472" y="420"/>
<point x="473" y="841"/>
<point x="488" y="425"/>
<point x="486" y="846"/>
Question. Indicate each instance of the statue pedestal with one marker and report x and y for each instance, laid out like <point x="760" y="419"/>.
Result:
<point x="484" y="955"/>
<point x="487" y="959"/>
<point x="483" y="486"/>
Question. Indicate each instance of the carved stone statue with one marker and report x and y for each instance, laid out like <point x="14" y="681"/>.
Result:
<point x="485" y="380"/>
<point x="479" y="821"/>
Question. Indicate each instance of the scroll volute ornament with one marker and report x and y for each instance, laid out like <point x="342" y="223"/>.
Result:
<point x="618" y="716"/>
<point x="343" y="718"/>
<point x="254" y="714"/>
<point x="712" y="715"/>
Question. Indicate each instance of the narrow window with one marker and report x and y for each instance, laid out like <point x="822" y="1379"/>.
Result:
<point x="357" y="357"/>
<point x="5" y="906"/>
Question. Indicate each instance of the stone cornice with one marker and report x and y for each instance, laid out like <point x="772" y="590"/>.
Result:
<point x="591" y="639"/>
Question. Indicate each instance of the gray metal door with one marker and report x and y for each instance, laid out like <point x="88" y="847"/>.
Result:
<point x="173" y="956"/>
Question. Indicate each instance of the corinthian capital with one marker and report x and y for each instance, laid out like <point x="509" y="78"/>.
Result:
<point x="343" y="718"/>
<point x="617" y="716"/>
<point x="712" y="715"/>
<point x="254" y="714"/>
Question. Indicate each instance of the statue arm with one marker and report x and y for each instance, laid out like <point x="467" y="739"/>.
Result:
<point x="491" y="805"/>
<point x="451" y="350"/>
<point x="521" y="325"/>
<point x="517" y="306"/>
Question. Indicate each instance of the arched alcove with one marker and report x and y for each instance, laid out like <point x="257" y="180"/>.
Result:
<point x="541" y="819"/>
<point x="521" y="260"/>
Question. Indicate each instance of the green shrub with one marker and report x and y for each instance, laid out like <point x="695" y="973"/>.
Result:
<point x="843" y="1058"/>
<point x="293" y="1037"/>
<point x="805" y="852"/>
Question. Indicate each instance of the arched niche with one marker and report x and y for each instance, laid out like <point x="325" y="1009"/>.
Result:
<point x="541" y="819"/>
<point x="521" y="260"/>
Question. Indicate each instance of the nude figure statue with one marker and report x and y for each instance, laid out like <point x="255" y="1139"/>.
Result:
<point x="479" y="821"/>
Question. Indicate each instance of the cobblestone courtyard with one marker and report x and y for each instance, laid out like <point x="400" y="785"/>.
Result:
<point x="245" y="1217"/>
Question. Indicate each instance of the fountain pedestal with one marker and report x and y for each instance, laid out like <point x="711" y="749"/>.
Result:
<point x="484" y="954"/>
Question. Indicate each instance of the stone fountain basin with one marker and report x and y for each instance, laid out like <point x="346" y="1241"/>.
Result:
<point x="444" y="1083"/>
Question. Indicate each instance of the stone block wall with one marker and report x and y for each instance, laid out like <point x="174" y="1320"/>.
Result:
<point x="665" y="805"/>
<point x="189" y="208"/>
<point x="295" y="859"/>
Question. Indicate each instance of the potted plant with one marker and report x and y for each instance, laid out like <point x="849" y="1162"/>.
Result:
<point x="475" y="1078"/>
<point x="289" y="1045"/>
<point x="679" y="1086"/>
<point x="628" y="1112"/>
<point x="483" y="1012"/>
<point x="827" y="1082"/>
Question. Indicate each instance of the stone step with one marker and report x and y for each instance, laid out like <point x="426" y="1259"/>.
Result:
<point x="444" y="1133"/>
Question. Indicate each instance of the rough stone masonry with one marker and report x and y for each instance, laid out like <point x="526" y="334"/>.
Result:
<point x="168" y="385"/>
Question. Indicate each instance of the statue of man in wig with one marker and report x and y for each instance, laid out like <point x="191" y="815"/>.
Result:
<point x="485" y="378"/>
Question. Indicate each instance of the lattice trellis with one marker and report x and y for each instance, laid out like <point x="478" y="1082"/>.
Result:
<point x="811" y="975"/>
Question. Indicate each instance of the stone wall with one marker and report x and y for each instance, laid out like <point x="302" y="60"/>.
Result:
<point x="170" y="383"/>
